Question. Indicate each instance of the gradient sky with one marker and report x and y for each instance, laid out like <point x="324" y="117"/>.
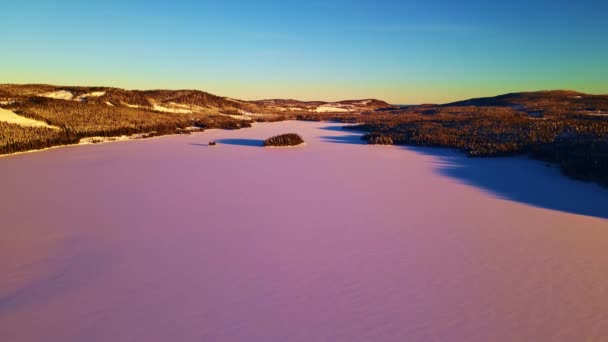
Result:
<point x="399" y="51"/>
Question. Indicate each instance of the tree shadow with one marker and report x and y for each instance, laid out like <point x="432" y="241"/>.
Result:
<point x="353" y="137"/>
<point x="344" y="139"/>
<point x="238" y="142"/>
<point x="338" y="128"/>
<point x="518" y="179"/>
<point x="523" y="180"/>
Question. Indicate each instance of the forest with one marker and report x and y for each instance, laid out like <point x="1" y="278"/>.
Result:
<point x="566" y="128"/>
<point x="74" y="121"/>
<point x="288" y="139"/>
<point x="577" y="143"/>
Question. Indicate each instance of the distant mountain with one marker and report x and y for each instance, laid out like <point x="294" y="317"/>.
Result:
<point x="325" y="107"/>
<point x="554" y="100"/>
<point x="180" y="101"/>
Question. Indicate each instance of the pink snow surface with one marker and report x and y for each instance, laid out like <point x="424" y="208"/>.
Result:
<point x="169" y="239"/>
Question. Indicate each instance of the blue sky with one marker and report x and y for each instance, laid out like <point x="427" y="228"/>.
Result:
<point x="399" y="51"/>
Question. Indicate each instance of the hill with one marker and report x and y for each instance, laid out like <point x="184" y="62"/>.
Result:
<point x="567" y="128"/>
<point x="36" y="116"/>
<point x="179" y="101"/>
<point x="553" y="102"/>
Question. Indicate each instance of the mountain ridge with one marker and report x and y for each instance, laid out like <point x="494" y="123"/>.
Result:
<point x="184" y="97"/>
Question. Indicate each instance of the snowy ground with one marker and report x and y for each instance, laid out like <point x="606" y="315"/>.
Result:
<point x="10" y="117"/>
<point x="330" y="108"/>
<point x="59" y="95"/>
<point x="83" y="97"/>
<point x="170" y="239"/>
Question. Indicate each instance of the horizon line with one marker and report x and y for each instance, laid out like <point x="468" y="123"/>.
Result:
<point x="294" y="99"/>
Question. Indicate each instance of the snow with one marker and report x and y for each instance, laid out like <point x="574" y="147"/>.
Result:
<point x="175" y="108"/>
<point x="59" y="95"/>
<point x="100" y="139"/>
<point x="10" y="117"/>
<point x="326" y="108"/>
<point x="239" y="117"/>
<point x="160" y="108"/>
<point x="69" y="96"/>
<point x="92" y="94"/>
<point x="170" y="239"/>
<point x="96" y="140"/>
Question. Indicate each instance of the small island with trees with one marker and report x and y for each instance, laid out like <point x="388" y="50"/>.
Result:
<point x="289" y="139"/>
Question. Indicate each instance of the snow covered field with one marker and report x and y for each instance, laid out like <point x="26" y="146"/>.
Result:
<point x="10" y="117"/>
<point x="169" y="239"/>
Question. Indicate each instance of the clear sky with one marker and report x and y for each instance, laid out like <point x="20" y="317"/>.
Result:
<point x="399" y="51"/>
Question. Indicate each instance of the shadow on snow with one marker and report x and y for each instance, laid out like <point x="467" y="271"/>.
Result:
<point x="523" y="180"/>
<point x="238" y="142"/>
<point x="354" y="136"/>
<point x="518" y="179"/>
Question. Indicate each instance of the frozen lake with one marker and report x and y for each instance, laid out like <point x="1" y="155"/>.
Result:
<point x="168" y="239"/>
